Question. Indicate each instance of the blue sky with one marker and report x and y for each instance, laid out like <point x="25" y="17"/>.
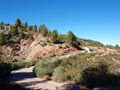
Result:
<point x="91" y="19"/>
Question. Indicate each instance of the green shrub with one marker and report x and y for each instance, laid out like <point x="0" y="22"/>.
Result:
<point x="31" y="63"/>
<point x="56" y="62"/>
<point x="88" y="69"/>
<point x="99" y="76"/>
<point x="41" y="72"/>
<point x="42" y="68"/>
<point x="72" y="68"/>
<point x="60" y="74"/>
<point x="6" y="68"/>
<point x="74" y="74"/>
<point x="17" y="65"/>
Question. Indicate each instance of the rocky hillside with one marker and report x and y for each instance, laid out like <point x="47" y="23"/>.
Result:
<point x="23" y="42"/>
<point x="40" y="47"/>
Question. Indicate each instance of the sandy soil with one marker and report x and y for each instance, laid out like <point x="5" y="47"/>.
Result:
<point x="25" y="78"/>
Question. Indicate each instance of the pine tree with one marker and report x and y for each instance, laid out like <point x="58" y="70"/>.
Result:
<point x="54" y="36"/>
<point x="14" y="30"/>
<point x="31" y="28"/>
<point x="71" y="38"/>
<point x="21" y="35"/>
<point x="18" y="23"/>
<point x="49" y="33"/>
<point x="25" y="25"/>
<point x="43" y="30"/>
<point x="2" y="38"/>
<point x="117" y="46"/>
<point x="35" y="28"/>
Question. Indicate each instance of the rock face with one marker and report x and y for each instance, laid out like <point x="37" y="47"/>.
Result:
<point x="5" y="53"/>
<point x="33" y="49"/>
<point x="40" y="47"/>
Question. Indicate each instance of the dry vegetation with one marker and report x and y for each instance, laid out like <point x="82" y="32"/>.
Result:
<point x="86" y="69"/>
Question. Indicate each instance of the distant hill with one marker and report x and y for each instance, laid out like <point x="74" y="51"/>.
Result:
<point x="88" y="42"/>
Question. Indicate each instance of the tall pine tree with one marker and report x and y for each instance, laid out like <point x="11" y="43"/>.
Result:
<point x="43" y="30"/>
<point x="71" y="38"/>
<point x="54" y="36"/>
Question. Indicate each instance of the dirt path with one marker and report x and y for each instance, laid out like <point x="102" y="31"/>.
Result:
<point x="25" y="78"/>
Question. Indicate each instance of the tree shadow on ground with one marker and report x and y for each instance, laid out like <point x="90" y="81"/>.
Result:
<point x="69" y="87"/>
<point x="27" y="84"/>
<point x="21" y="76"/>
